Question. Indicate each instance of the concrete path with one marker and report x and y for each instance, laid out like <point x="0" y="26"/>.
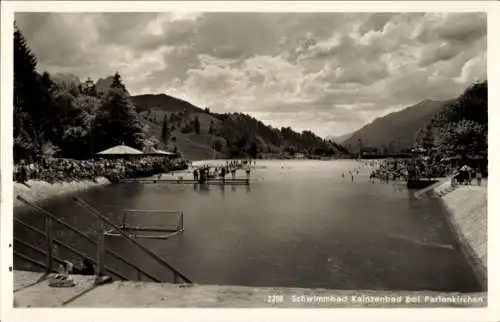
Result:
<point x="143" y="294"/>
<point x="28" y="293"/>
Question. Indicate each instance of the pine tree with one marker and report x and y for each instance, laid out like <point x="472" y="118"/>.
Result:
<point x="211" y="129"/>
<point x="428" y="139"/>
<point x="117" y="83"/>
<point x="51" y="118"/>
<point x="196" y="125"/>
<point x="89" y="88"/>
<point x="165" y="133"/>
<point x="252" y="150"/>
<point x="117" y="120"/>
<point x="27" y="143"/>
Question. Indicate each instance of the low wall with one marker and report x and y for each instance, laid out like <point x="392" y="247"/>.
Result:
<point x="36" y="191"/>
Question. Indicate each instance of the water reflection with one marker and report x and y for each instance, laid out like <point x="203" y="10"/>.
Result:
<point x="204" y="188"/>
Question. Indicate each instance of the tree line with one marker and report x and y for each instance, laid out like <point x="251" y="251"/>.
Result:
<point x="67" y="120"/>
<point x="247" y="135"/>
<point x="461" y="128"/>
<point x="233" y="134"/>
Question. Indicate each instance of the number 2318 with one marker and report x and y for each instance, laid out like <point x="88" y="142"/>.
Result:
<point x="274" y="299"/>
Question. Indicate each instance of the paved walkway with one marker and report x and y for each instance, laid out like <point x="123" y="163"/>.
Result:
<point x="143" y="294"/>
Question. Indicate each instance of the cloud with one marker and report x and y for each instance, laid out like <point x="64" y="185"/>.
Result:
<point x="327" y="72"/>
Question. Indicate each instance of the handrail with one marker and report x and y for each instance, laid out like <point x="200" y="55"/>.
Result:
<point x="29" y="259"/>
<point x="86" y="206"/>
<point x="57" y="259"/>
<point x="153" y="211"/>
<point x="85" y="256"/>
<point x="17" y="240"/>
<point x="78" y="232"/>
<point x="59" y="221"/>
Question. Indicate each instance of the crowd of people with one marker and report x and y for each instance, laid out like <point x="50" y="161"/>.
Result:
<point x="54" y="170"/>
<point x="422" y="168"/>
<point x="205" y="172"/>
<point x="395" y="169"/>
<point x="465" y="174"/>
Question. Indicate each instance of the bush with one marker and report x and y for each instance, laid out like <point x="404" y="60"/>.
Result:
<point x="218" y="145"/>
<point x="187" y="128"/>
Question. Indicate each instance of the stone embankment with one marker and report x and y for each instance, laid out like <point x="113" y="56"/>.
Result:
<point x="36" y="191"/>
<point x="467" y="207"/>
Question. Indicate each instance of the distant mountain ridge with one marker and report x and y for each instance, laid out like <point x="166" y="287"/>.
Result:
<point x="236" y="131"/>
<point x="339" y="139"/>
<point x="395" y="132"/>
<point x="219" y="135"/>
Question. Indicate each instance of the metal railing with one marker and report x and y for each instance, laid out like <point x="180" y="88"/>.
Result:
<point x="165" y="230"/>
<point x="177" y="274"/>
<point x="101" y="249"/>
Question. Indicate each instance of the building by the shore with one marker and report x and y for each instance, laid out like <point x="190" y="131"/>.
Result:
<point x="125" y="152"/>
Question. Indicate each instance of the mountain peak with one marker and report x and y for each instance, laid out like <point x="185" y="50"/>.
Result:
<point x="396" y="131"/>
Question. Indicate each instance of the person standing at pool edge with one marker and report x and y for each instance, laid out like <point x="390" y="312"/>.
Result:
<point x="248" y="171"/>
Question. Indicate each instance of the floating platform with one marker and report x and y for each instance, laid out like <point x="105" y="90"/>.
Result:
<point x="188" y="181"/>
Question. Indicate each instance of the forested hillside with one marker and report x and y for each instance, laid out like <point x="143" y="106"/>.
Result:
<point x="395" y="132"/>
<point x="458" y="126"/>
<point x="201" y="131"/>
<point x="56" y="117"/>
<point x="461" y="127"/>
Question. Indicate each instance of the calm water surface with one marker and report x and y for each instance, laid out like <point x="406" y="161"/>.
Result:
<point x="298" y="224"/>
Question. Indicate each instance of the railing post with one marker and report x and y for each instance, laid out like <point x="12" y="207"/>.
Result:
<point x="176" y="278"/>
<point x="100" y="247"/>
<point x="49" y="244"/>
<point x="182" y="221"/>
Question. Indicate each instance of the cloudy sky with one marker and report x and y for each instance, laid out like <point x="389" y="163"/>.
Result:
<point x="327" y="72"/>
